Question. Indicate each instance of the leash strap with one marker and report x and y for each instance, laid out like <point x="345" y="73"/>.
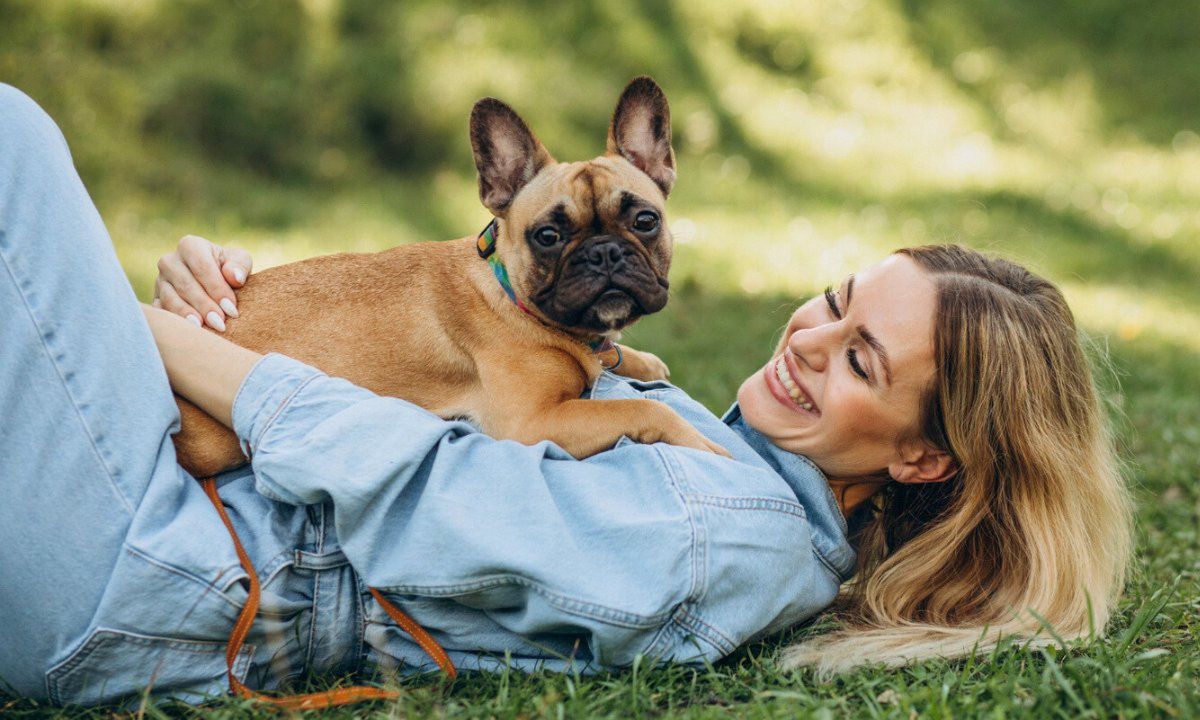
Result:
<point x="319" y="700"/>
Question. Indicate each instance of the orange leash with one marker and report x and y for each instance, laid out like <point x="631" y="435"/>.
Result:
<point x="319" y="700"/>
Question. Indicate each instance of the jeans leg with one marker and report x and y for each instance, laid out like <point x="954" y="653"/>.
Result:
<point x="85" y="409"/>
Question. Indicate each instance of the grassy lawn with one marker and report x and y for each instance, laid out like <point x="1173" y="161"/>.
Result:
<point x="811" y="142"/>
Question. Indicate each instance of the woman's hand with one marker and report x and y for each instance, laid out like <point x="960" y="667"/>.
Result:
<point x="199" y="280"/>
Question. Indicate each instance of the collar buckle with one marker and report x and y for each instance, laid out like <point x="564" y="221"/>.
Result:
<point x="485" y="244"/>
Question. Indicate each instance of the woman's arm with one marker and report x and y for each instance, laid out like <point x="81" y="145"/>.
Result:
<point x="201" y="366"/>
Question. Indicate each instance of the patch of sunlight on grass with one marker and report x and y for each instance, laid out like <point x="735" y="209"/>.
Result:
<point x="1131" y="314"/>
<point x="732" y="252"/>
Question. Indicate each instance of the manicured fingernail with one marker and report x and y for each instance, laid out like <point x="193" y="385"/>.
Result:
<point x="227" y="306"/>
<point x="240" y="275"/>
<point x="195" y="320"/>
<point x="215" y="321"/>
<point x="156" y="303"/>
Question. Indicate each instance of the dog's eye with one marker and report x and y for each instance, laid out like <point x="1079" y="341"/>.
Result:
<point x="645" y="221"/>
<point x="546" y="236"/>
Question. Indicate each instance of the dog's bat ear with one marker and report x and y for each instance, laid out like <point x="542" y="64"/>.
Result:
<point x="641" y="131"/>
<point x="507" y="154"/>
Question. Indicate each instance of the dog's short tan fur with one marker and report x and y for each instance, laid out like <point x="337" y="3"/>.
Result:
<point x="429" y="322"/>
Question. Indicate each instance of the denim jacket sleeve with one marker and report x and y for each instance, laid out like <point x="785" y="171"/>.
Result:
<point x="632" y="549"/>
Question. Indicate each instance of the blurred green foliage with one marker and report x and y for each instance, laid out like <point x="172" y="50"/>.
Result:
<point x="812" y="138"/>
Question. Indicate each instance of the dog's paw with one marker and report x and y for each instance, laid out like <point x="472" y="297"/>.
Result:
<point x="684" y="435"/>
<point x="642" y="365"/>
<point x="656" y="369"/>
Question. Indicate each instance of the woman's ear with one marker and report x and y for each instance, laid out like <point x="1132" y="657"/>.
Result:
<point x="923" y="463"/>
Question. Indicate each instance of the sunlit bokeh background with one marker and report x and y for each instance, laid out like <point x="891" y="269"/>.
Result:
<point x="813" y="137"/>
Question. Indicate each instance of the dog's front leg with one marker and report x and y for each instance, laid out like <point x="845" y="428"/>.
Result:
<point x="203" y="446"/>
<point x="537" y="398"/>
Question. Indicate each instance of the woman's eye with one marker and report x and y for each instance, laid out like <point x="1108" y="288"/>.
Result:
<point x="645" y="221"/>
<point x="547" y="236"/>
<point x="852" y="355"/>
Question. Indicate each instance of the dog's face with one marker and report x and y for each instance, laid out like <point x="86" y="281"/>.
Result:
<point x="586" y="244"/>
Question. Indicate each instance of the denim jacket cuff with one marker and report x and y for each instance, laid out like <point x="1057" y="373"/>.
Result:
<point x="265" y="392"/>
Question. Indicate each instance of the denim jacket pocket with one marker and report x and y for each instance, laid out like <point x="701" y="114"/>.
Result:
<point x="113" y="666"/>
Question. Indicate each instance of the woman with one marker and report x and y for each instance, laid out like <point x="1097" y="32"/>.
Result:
<point x="940" y="398"/>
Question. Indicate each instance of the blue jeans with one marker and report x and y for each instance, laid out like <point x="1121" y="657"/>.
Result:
<point x="87" y="411"/>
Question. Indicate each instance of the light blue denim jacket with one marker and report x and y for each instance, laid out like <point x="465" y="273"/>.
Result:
<point x="507" y="554"/>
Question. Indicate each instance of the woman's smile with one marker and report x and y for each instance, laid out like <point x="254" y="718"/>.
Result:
<point x="783" y="380"/>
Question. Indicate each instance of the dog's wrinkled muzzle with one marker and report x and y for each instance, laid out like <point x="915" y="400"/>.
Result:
<point x="606" y="283"/>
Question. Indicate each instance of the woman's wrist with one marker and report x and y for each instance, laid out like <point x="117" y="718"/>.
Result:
<point x="202" y="367"/>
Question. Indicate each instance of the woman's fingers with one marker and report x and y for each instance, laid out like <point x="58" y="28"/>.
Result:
<point x="179" y="275"/>
<point x="168" y="299"/>
<point x="236" y="265"/>
<point x="203" y="259"/>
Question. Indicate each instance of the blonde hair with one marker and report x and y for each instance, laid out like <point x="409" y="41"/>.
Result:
<point x="1031" y="538"/>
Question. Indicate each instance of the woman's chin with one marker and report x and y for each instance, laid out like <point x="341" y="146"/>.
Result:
<point x="759" y="408"/>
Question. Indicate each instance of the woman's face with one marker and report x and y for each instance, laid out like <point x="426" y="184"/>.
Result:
<point x="846" y="382"/>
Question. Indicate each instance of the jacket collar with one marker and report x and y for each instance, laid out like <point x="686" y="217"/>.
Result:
<point x="812" y="490"/>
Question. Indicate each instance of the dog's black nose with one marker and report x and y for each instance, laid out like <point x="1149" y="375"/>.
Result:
<point x="604" y="255"/>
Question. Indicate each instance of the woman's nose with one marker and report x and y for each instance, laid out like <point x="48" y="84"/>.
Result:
<point x="812" y="346"/>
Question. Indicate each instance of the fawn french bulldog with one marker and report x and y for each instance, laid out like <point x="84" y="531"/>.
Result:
<point x="506" y="329"/>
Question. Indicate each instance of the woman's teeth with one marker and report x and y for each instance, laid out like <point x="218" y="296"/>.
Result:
<point x="790" y="385"/>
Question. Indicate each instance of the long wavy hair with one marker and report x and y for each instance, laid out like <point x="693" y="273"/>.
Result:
<point x="1032" y="537"/>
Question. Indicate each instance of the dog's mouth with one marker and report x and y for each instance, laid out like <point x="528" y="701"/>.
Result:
<point x="614" y="309"/>
<point x="606" y="306"/>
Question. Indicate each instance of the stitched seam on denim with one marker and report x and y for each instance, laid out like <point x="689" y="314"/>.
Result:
<point x="659" y="642"/>
<point x="317" y="577"/>
<point x="807" y="461"/>
<point x="106" y="636"/>
<point x="685" y="632"/>
<point x="255" y="443"/>
<point x="274" y="566"/>
<point x="750" y="503"/>
<point x="698" y="554"/>
<point x="841" y="519"/>
<point x="312" y="621"/>
<point x="581" y="608"/>
<point x="692" y="622"/>
<point x="87" y="430"/>
<point x="206" y="584"/>
<point x="305" y="560"/>
<point x="360" y="620"/>
<point x="701" y="646"/>
<point x="828" y="565"/>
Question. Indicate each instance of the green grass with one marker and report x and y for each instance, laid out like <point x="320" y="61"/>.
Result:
<point x="813" y="138"/>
